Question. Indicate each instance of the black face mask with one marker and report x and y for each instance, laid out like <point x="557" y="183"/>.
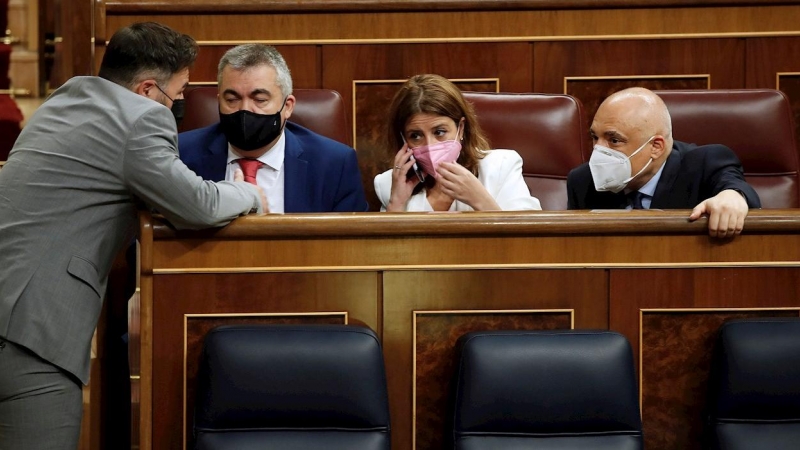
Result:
<point x="178" y="108"/>
<point x="248" y="131"/>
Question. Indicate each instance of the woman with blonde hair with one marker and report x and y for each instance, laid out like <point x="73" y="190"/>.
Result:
<point x="444" y="162"/>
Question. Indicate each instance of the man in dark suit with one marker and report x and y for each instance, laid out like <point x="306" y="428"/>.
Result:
<point x="299" y="170"/>
<point x="636" y="164"/>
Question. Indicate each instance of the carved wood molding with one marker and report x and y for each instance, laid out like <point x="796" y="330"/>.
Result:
<point x="289" y="6"/>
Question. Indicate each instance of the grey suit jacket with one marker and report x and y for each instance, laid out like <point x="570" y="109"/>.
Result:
<point x="67" y="198"/>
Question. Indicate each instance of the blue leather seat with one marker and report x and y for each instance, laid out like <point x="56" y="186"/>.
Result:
<point x="288" y="387"/>
<point x="546" y="390"/>
<point x="754" y="387"/>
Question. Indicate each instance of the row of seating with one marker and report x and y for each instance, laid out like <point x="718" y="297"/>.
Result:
<point x="550" y="132"/>
<point x="312" y="386"/>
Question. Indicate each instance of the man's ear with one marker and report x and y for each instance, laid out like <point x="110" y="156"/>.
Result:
<point x="658" y="147"/>
<point x="288" y="107"/>
<point x="145" y="88"/>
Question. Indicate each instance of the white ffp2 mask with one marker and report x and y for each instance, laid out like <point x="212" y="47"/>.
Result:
<point x="611" y="169"/>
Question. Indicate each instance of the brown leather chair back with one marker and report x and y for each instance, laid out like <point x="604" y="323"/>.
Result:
<point x="756" y="124"/>
<point x="320" y="110"/>
<point x="547" y="130"/>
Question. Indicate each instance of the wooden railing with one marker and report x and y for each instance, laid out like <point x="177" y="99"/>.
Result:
<point x="421" y="280"/>
<point x="204" y="6"/>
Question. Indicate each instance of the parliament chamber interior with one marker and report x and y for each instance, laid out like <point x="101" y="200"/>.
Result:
<point x="509" y="329"/>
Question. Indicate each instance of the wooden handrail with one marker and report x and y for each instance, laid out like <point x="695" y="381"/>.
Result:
<point x="288" y="6"/>
<point x="532" y="223"/>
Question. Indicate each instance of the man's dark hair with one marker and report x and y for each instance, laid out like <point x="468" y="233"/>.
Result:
<point x="146" y="50"/>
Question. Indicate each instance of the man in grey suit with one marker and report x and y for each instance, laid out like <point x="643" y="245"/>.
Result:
<point x="95" y="148"/>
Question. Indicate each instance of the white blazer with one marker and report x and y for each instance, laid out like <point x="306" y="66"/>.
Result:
<point x="500" y="172"/>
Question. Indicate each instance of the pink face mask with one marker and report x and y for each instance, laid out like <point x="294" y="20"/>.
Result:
<point x="429" y="156"/>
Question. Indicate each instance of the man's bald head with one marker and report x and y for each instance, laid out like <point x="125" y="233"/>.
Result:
<point x="640" y="111"/>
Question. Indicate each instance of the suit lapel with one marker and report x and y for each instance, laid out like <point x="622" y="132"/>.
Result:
<point x="664" y="187"/>
<point x="295" y="185"/>
<point x="215" y="159"/>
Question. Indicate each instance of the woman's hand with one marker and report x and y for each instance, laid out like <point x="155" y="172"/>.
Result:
<point x="402" y="185"/>
<point x="462" y="185"/>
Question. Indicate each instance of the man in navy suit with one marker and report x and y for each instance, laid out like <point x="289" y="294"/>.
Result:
<point x="299" y="170"/>
<point x="636" y="164"/>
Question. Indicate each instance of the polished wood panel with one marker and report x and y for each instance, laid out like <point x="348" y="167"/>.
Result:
<point x="774" y="63"/>
<point x="271" y="6"/>
<point x="530" y="59"/>
<point x="722" y="59"/>
<point x="477" y="26"/>
<point x="676" y="352"/>
<point x="768" y="56"/>
<point x="175" y="296"/>
<point x="134" y="358"/>
<point x="372" y="121"/>
<point x="435" y="336"/>
<point x="73" y="34"/>
<point x="344" y="65"/>
<point x="303" y="62"/>
<point x="198" y="325"/>
<point x="790" y="85"/>
<point x="665" y="345"/>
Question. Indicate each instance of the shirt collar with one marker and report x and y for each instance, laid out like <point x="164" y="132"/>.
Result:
<point x="649" y="188"/>
<point x="273" y="158"/>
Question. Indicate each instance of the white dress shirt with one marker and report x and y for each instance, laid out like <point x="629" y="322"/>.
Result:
<point x="270" y="176"/>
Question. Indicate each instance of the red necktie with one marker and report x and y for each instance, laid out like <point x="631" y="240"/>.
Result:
<point x="249" y="169"/>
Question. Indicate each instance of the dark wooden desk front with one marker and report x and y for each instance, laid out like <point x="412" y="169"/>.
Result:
<point x="422" y="280"/>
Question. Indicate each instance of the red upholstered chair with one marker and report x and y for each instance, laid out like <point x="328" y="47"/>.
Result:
<point x="10" y="115"/>
<point x="5" y="49"/>
<point x="547" y="130"/>
<point x="5" y="64"/>
<point x="320" y="110"/>
<point x="756" y="124"/>
<point x="10" y="119"/>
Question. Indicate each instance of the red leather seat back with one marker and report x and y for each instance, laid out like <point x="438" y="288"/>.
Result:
<point x="320" y="110"/>
<point x="547" y="130"/>
<point x="756" y="124"/>
<point x="10" y="120"/>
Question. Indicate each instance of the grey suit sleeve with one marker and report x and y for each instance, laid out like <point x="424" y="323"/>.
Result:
<point x="154" y="173"/>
